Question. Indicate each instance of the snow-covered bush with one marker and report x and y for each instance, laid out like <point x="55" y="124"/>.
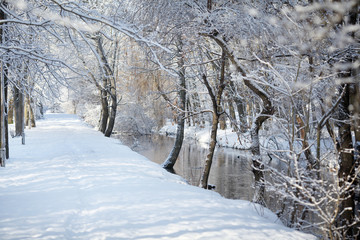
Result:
<point x="133" y="120"/>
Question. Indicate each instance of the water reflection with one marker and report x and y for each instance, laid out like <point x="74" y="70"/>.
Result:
<point x="230" y="172"/>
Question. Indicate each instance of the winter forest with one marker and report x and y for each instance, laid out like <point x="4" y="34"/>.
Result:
<point x="281" y="74"/>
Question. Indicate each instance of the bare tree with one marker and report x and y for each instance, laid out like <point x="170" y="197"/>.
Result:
<point x="171" y="159"/>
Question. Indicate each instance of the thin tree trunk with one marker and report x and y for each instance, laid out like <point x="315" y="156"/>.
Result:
<point x="171" y="159"/>
<point x="216" y="103"/>
<point x="232" y="114"/>
<point x="196" y="107"/>
<point x="6" y="120"/>
<point x="104" y="109"/>
<point x="2" y="119"/>
<point x="111" y="82"/>
<point x="112" y="114"/>
<point x="222" y="119"/>
<point x="27" y="111"/>
<point x="240" y="108"/>
<point x="258" y="166"/>
<point x="209" y="157"/>
<point x="19" y="111"/>
<point x="4" y="95"/>
<point x="266" y="112"/>
<point x="190" y="121"/>
<point x="32" y="115"/>
<point x="11" y="111"/>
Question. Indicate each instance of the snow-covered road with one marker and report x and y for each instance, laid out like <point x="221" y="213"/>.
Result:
<point x="70" y="182"/>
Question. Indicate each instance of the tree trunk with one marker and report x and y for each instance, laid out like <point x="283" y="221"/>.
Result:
<point x="4" y="133"/>
<point x="266" y="112"/>
<point x="304" y="132"/>
<point x="216" y="103"/>
<point x="111" y="90"/>
<point x="356" y="126"/>
<point x="240" y="108"/>
<point x="31" y="112"/>
<point x="209" y="157"/>
<point x="190" y="120"/>
<point x="346" y="171"/>
<point x="27" y="111"/>
<point x="6" y="119"/>
<point x="41" y="109"/>
<point x="258" y="166"/>
<point x="104" y="109"/>
<point x="19" y="111"/>
<point x="171" y="159"/>
<point x="196" y="107"/>
<point x="222" y="119"/>
<point x="348" y="161"/>
<point x="232" y="114"/>
<point x="2" y="119"/>
<point x="112" y="115"/>
<point x="11" y="111"/>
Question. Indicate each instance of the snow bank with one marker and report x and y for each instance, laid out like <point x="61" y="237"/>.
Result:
<point x="70" y="182"/>
<point x="225" y="138"/>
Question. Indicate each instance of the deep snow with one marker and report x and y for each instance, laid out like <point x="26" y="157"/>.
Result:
<point x="70" y="182"/>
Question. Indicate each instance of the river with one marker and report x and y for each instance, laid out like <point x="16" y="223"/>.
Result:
<point x="230" y="172"/>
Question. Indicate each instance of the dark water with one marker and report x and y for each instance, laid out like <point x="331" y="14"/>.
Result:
<point x="230" y="171"/>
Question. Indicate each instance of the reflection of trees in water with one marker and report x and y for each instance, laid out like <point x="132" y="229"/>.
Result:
<point x="231" y="172"/>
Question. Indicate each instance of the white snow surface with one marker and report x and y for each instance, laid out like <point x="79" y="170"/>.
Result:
<point x="71" y="182"/>
<point x="225" y="138"/>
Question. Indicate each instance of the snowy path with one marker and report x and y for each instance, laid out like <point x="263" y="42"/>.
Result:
<point x="70" y="182"/>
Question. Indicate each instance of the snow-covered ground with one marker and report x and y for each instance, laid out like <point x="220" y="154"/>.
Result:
<point x="70" y="182"/>
<point x="225" y="138"/>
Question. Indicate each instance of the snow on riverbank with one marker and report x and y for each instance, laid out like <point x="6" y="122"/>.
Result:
<point x="70" y="182"/>
<point x="225" y="138"/>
